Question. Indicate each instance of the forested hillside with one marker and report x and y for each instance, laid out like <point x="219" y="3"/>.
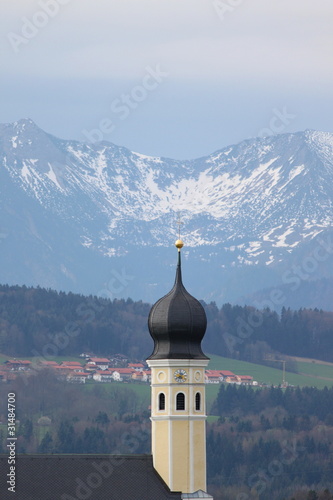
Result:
<point x="35" y="321"/>
<point x="39" y="322"/>
<point x="274" y="442"/>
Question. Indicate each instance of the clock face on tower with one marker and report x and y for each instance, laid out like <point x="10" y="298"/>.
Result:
<point x="180" y="375"/>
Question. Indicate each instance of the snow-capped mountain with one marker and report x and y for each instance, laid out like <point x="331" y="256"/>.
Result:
<point x="98" y="218"/>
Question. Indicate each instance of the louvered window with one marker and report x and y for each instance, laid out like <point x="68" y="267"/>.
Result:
<point x="180" y="401"/>
<point x="198" y="401"/>
<point x="161" y="401"/>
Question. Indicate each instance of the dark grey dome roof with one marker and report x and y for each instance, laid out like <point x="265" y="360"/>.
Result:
<point x="177" y="323"/>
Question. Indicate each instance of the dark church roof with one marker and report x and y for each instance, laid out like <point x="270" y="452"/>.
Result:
<point x="177" y="323"/>
<point x="73" y="477"/>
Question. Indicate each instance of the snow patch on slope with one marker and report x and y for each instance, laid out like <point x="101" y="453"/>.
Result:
<point x="52" y="176"/>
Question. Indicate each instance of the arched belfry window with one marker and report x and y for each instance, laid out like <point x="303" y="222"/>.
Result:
<point x="161" y="401"/>
<point x="198" y="401"/>
<point x="180" y="401"/>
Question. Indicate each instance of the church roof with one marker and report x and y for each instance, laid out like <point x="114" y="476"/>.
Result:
<point x="177" y="323"/>
<point x="97" y="477"/>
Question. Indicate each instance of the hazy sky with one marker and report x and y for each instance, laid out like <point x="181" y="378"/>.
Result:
<point x="178" y="78"/>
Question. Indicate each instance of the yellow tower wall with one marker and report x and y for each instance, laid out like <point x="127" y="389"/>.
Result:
<point x="179" y="436"/>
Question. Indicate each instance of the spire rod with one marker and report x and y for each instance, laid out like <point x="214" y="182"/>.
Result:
<point x="180" y="223"/>
<point x="179" y="243"/>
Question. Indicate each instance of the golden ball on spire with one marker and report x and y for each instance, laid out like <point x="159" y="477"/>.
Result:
<point x="179" y="244"/>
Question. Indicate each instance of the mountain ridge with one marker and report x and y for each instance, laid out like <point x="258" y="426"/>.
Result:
<point x="258" y="204"/>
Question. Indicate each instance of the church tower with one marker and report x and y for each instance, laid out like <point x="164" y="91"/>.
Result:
<point x="177" y="324"/>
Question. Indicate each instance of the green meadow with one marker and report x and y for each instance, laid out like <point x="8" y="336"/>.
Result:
<point x="273" y="376"/>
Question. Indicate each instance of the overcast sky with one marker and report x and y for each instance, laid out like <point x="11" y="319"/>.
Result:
<point x="177" y="78"/>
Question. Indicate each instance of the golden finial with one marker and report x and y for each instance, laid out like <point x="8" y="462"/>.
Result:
<point x="179" y="243"/>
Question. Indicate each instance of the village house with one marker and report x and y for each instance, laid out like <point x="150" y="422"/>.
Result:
<point x="245" y="379"/>
<point x="136" y="366"/>
<point x="101" y="363"/>
<point x="71" y="369"/>
<point x="218" y="376"/>
<point x="116" y="376"/>
<point x="103" y="376"/>
<point x="232" y="380"/>
<point x="226" y="373"/>
<point x="18" y="365"/>
<point x="141" y="376"/>
<point x="91" y="367"/>
<point x="123" y="374"/>
<point x="118" y="360"/>
<point x="78" y="377"/>
<point x="71" y="364"/>
<point x="47" y="364"/>
<point x="146" y="377"/>
<point x="212" y="377"/>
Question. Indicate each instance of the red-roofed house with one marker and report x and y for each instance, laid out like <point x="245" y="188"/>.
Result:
<point x="232" y="380"/>
<point x="212" y="377"/>
<point x="137" y="366"/>
<point x="90" y="366"/>
<point x="18" y="364"/>
<point x="226" y="373"/>
<point x="49" y="363"/>
<point x="101" y="363"/>
<point x="245" y="379"/>
<point x="121" y="374"/>
<point x="72" y="369"/>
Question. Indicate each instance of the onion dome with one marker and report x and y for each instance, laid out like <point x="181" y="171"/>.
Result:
<point x="177" y="322"/>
